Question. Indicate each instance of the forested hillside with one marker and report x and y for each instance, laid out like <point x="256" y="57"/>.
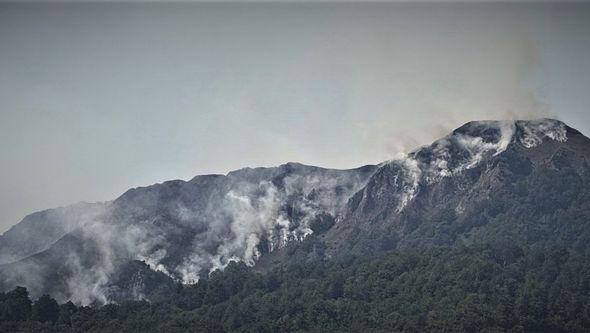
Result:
<point x="485" y="288"/>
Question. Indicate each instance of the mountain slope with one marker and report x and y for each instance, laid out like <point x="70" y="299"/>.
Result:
<point x="36" y="232"/>
<point x="183" y="229"/>
<point x="524" y="182"/>
<point x="520" y="184"/>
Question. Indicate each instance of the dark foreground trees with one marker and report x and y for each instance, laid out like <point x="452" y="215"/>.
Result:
<point x="471" y="289"/>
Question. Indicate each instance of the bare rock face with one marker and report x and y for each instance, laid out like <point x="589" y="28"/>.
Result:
<point x="523" y="182"/>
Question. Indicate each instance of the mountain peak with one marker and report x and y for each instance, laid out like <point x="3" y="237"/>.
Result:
<point x="530" y="133"/>
<point x="477" y="138"/>
<point x="466" y="147"/>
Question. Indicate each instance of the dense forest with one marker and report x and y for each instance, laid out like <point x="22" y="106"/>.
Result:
<point x="485" y="288"/>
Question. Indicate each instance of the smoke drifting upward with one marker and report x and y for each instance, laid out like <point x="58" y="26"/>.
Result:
<point x="435" y="83"/>
<point x="184" y="229"/>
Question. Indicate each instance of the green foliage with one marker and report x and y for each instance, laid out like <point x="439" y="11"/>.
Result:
<point x="15" y="305"/>
<point x="486" y="288"/>
<point x="45" y="309"/>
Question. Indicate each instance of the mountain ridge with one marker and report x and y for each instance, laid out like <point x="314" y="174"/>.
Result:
<point x="438" y="194"/>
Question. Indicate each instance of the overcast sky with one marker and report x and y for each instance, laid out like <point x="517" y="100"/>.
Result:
<point x="99" y="98"/>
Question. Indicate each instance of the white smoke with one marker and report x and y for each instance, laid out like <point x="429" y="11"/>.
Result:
<point x="253" y="212"/>
<point x="443" y="163"/>
<point x="536" y="130"/>
<point x="477" y="147"/>
<point x="407" y="181"/>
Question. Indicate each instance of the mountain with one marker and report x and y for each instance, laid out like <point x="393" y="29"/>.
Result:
<point x="524" y="182"/>
<point x="511" y="184"/>
<point x="182" y="229"/>
<point x="38" y="231"/>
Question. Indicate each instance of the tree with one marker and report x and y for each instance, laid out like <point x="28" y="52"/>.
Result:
<point x="65" y="314"/>
<point x="45" y="309"/>
<point x="16" y="305"/>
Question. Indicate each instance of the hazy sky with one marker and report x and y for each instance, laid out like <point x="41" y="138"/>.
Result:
<point x="98" y="98"/>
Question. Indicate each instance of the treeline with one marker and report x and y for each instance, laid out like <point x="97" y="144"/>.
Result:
<point x="491" y="288"/>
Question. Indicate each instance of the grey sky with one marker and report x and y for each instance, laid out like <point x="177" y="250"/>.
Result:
<point x="98" y="98"/>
